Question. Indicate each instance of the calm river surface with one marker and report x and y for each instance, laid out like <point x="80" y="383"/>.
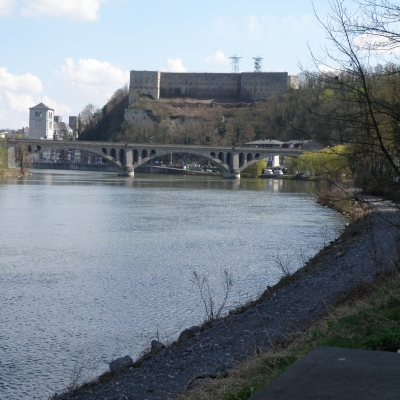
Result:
<point x="94" y="266"/>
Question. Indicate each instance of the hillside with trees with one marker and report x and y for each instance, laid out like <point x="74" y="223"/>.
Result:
<point x="103" y="124"/>
<point x="190" y="121"/>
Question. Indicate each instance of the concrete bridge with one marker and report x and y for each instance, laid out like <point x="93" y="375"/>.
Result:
<point x="128" y="156"/>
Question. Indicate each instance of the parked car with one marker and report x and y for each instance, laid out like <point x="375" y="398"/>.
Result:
<point x="268" y="172"/>
<point x="278" y="172"/>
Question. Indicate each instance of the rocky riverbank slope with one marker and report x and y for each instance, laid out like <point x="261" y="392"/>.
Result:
<point x="367" y="248"/>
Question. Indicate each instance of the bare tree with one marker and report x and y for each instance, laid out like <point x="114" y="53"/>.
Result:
<point x="379" y="22"/>
<point x="21" y="152"/>
<point x="87" y="115"/>
<point x="358" y="102"/>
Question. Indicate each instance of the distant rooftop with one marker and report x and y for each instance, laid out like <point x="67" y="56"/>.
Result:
<point x="41" y="106"/>
<point x="310" y="145"/>
<point x="265" y="143"/>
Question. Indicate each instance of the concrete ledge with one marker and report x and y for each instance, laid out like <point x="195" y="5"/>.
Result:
<point x="334" y="373"/>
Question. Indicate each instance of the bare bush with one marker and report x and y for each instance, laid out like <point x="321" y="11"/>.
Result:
<point x="283" y="265"/>
<point x="202" y="283"/>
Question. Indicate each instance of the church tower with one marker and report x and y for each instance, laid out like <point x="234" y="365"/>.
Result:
<point x="41" y="122"/>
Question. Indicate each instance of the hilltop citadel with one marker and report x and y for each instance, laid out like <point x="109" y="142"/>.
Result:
<point x="193" y="89"/>
<point x="223" y="87"/>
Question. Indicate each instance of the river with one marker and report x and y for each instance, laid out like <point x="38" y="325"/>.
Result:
<point x="94" y="266"/>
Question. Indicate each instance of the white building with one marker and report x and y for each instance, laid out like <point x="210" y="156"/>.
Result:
<point x="61" y="129"/>
<point x="41" y="122"/>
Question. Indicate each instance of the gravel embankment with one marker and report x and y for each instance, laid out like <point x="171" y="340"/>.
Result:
<point x="364" y="250"/>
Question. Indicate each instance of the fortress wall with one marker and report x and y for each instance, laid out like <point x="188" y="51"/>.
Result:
<point x="200" y="86"/>
<point x="144" y="83"/>
<point x="261" y="85"/>
<point x="245" y="86"/>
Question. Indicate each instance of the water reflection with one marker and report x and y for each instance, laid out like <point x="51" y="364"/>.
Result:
<point x="41" y="177"/>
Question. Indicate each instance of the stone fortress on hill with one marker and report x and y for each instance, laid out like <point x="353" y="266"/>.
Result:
<point x="222" y="87"/>
<point x="227" y="89"/>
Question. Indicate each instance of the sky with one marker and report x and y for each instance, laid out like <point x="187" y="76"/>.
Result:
<point x="68" y="53"/>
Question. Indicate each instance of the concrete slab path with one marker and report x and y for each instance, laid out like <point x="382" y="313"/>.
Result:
<point x="341" y="374"/>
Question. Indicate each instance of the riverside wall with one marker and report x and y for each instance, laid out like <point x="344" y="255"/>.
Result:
<point x="74" y="167"/>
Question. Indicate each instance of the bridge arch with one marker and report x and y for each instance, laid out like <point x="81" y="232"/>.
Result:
<point x="241" y="159"/>
<point x="247" y="164"/>
<point x="122" y="156"/>
<point x="229" y="159"/>
<point x="33" y="148"/>
<point x="135" y="155"/>
<point x="152" y="153"/>
<point x="101" y="152"/>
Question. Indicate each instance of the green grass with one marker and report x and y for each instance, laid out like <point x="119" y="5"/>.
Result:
<point x="272" y="369"/>
<point x="375" y="329"/>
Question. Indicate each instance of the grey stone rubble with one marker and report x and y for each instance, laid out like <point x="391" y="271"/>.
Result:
<point x="369" y="248"/>
<point x="119" y="363"/>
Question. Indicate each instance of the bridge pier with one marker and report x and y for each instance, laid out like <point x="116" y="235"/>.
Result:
<point x="127" y="171"/>
<point x="233" y="174"/>
<point x="233" y="162"/>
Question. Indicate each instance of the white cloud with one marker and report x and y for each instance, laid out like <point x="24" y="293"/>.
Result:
<point x="328" y="70"/>
<point x="175" y="65"/>
<point x="93" y="72"/>
<point x="218" y="58"/>
<point x="75" y="9"/>
<point x="59" y="108"/>
<point x="95" y="80"/>
<point x="26" y="82"/>
<point x="17" y="94"/>
<point x="377" y="43"/>
<point x="6" y="6"/>
<point x="19" y="102"/>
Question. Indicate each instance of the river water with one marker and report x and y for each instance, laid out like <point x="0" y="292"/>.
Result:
<point x="94" y="266"/>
